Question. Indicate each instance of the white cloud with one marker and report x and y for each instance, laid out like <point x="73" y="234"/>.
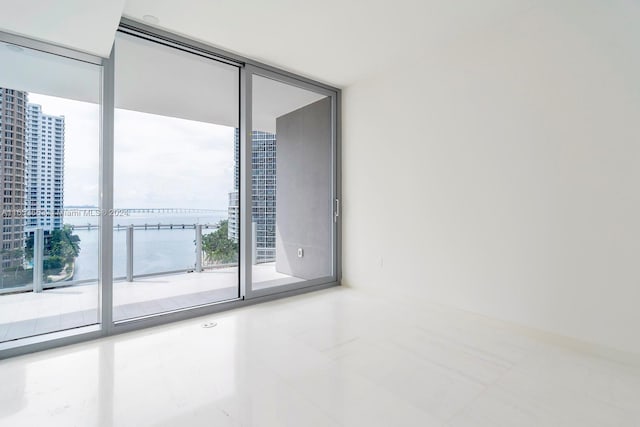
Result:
<point x="159" y="161"/>
<point x="82" y="136"/>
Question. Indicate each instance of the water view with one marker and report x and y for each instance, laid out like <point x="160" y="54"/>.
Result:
<point x="155" y="251"/>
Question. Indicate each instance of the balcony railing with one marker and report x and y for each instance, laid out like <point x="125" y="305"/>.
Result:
<point x="201" y="261"/>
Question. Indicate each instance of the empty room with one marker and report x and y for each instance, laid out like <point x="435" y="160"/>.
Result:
<point x="337" y="213"/>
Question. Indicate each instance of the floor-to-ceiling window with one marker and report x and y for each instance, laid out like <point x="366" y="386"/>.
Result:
<point x="49" y="150"/>
<point x="156" y="184"/>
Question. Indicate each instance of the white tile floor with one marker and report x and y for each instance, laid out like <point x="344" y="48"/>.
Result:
<point x="336" y="357"/>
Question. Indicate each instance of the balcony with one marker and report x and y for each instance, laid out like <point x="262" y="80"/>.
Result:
<point x="58" y="302"/>
<point x="70" y="306"/>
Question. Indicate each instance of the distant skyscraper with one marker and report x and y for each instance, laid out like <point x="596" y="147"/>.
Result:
<point x="234" y="216"/>
<point x="263" y="194"/>
<point x="12" y="151"/>
<point x="44" y="170"/>
<point x="234" y="201"/>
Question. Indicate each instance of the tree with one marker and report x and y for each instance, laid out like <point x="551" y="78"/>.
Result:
<point x="64" y="245"/>
<point x="61" y="247"/>
<point x="218" y="247"/>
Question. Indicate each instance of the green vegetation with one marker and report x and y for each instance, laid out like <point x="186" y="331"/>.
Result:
<point x="60" y="251"/>
<point x="61" y="245"/>
<point x="218" y="247"/>
<point x="64" y="246"/>
<point x="61" y="248"/>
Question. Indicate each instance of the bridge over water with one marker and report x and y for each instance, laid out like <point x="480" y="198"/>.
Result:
<point x="126" y="211"/>
<point x="170" y="210"/>
<point x="157" y="226"/>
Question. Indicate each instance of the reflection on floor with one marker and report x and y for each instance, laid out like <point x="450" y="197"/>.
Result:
<point x="338" y="357"/>
<point x="28" y="314"/>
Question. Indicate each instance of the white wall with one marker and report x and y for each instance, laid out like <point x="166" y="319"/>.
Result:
<point x="502" y="175"/>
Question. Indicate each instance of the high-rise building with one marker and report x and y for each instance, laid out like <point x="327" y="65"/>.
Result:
<point x="44" y="170"/>
<point x="234" y="196"/>
<point x="263" y="194"/>
<point x="234" y="216"/>
<point x="13" y="118"/>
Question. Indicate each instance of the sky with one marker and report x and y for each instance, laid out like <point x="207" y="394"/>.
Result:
<point x="158" y="161"/>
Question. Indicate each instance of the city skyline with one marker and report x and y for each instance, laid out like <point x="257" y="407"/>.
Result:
<point x="32" y="172"/>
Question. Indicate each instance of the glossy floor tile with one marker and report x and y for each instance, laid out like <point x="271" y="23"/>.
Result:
<point x="338" y="357"/>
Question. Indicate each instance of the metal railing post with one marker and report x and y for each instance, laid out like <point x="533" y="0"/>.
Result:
<point x="198" y="248"/>
<point x="38" y="259"/>
<point x="130" y="253"/>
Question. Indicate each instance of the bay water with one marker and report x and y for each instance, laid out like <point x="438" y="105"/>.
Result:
<point x="154" y="250"/>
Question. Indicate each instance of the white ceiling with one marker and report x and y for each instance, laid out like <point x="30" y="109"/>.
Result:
<point x="333" y="41"/>
<point x="146" y="77"/>
<point x="85" y="25"/>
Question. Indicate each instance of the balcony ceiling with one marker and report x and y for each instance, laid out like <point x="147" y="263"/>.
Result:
<point x="334" y="41"/>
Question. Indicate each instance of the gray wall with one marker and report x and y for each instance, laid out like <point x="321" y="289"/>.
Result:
<point x="303" y="198"/>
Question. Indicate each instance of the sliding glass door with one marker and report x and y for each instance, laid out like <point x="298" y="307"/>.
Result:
<point x="176" y="123"/>
<point x="169" y="180"/>
<point x="292" y="186"/>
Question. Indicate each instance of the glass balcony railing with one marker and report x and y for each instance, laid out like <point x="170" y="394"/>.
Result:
<point x="140" y="250"/>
